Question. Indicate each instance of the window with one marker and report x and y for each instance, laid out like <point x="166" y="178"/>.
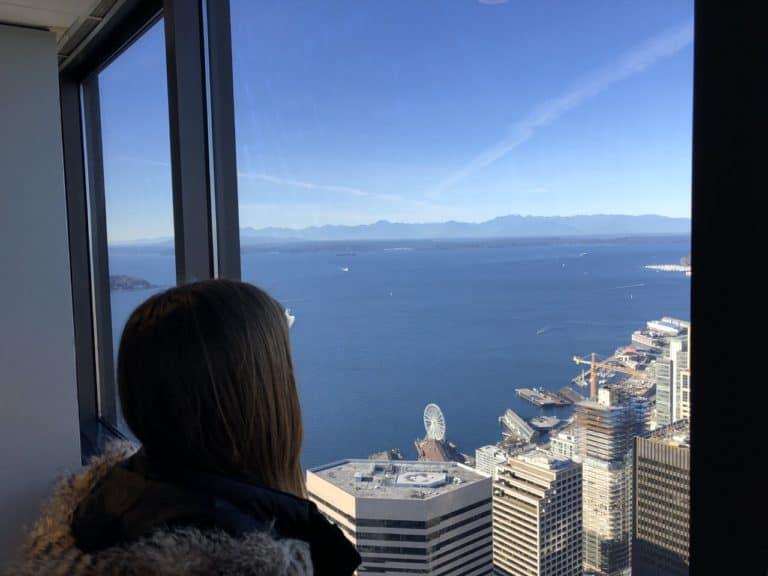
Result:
<point x="357" y="122"/>
<point x="430" y="188"/>
<point x="135" y="141"/>
<point x="149" y="164"/>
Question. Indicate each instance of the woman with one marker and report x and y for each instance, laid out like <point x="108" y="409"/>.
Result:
<point x="206" y="384"/>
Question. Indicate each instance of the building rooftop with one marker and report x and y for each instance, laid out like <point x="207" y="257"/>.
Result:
<point x="595" y="405"/>
<point x="664" y="327"/>
<point x="675" y="434"/>
<point x="397" y="480"/>
<point x="543" y="459"/>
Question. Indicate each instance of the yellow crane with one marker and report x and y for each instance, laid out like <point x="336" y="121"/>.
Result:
<point x="594" y="365"/>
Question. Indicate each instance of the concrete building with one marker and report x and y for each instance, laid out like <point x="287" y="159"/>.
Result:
<point x="648" y="339"/>
<point x="605" y="431"/>
<point x="488" y="458"/>
<point x="683" y="390"/>
<point x="684" y="396"/>
<point x="409" y="517"/>
<point x="662" y="479"/>
<point x="661" y="541"/>
<point x="671" y="375"/>
<point x="664" y="327"/>
<point x="537" y="516"/>
<point x="564" y="444"/>
<point x="664" y="391"/>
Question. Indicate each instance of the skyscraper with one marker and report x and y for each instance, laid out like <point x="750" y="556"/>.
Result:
<point x="488" y="458"/>
<point x="683" y="401"/>
<point x="409" y="517"/>
<point x="537" y="516"/>
<point x="605" y="432"/>
<point x="665" y="370"/>
<point x="662" y="502"/>
<point x="672" y="380"/>
<point x="563" y="443"/>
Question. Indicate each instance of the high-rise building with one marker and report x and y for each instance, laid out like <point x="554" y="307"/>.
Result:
<point x="671" y="374"/>
<point x="409" y="517"/>
<point x="563" y="443"/>
<point x="664" y="391"/>
<point x="488" y="458"/>
<point x="660" y="545"/>
<point x="605" y="431"/>
<point x="683" y="390"/>
<point x="537" y="516"/>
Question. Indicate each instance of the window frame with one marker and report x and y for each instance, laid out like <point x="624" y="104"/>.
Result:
<point x="203" y="166"/>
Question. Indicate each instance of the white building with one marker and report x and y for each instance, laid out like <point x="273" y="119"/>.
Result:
<point x="409" y="517"/>
<point x="488" y="458"/>
<point x="563" y="444"/>
<point x="683" y="388"/>
<point x="664" y="328"/>
<point x="673" y="382"/>
<point x="537" y="516"/>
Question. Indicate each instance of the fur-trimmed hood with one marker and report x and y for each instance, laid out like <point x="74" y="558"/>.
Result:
<point x="191" y="550"/>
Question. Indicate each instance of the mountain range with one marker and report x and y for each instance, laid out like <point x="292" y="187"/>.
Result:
<point x="511" y="226"/>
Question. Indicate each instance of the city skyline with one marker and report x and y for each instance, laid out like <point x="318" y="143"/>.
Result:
<point x="498" y="108"/>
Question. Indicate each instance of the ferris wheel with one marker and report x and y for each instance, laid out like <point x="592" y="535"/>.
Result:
<point x="434" y="422"/>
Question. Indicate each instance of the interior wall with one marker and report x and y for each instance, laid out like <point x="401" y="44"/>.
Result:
<point x="39" y="432"/>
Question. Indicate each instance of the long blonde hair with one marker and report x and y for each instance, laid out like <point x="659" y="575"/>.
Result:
<point x="206" y="380"/>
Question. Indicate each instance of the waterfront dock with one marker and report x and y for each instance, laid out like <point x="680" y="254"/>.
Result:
<point x="541" y="397"/>
<point x="571" y="395"/>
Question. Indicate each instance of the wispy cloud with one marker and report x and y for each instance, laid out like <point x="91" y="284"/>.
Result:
<point x="144" y="161"/>
<point x="630" y="63"/>
<point x="491" y="2"/>
<point x="302" y="184"/>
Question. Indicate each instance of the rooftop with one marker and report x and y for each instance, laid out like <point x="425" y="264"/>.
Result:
<point x="663" y="327"/>
<point x="675" y="434"/>
<point x="397" y="480"/>
<point x="543" y="459"/>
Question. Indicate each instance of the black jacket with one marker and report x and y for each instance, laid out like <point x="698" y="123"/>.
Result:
<point x="137" y="497"/>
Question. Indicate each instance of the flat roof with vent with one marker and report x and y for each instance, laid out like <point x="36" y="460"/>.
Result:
<point x="399" y="480"/>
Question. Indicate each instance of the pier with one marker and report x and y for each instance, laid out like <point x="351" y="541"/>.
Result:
<point x="541" y="397"/>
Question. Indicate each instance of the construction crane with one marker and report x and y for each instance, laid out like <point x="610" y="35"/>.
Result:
<point x="594" y="365"/>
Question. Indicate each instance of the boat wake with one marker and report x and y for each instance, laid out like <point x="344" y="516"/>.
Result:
<point x="640" y="285"/>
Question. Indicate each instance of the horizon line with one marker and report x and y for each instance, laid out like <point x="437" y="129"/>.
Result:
<point x="158" y="239"/>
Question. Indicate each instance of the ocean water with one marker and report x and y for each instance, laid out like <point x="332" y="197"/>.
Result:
<point x="383" y="328"/>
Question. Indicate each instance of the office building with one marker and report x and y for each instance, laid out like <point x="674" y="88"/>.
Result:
<point x="605" y="431"/>
<point x="683" y="391"/>
<point x="661" y="524"/>
<point x="563" y="443"/>
<point x="537" y="516"/>
<point x="409" y="517"/>
<point x="664" y="391"/>
<point x="488" y="458"/>
<point x="672" y="376"/>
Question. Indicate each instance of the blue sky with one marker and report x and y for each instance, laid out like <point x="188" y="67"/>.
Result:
<point x="348" y="112"/>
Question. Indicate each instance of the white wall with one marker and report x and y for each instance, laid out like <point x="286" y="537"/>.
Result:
<point x="39" y="433"/>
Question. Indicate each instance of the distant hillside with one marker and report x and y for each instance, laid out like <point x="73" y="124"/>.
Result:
<point x="512" y="226"/>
